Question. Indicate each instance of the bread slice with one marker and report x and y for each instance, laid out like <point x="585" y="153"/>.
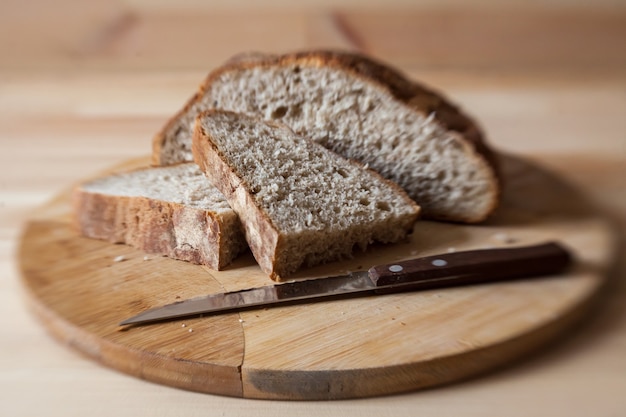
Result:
<point x="300" y="203"/>
<point x="172" y="211"/>
<point x="362" y="110"/>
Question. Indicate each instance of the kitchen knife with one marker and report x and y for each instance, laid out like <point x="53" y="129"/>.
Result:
<point x="450" y="269"/>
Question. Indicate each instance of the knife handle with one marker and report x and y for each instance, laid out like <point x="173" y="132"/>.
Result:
<point x="471" y="267"/>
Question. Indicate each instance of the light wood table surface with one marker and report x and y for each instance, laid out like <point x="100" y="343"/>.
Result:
<point x="85" y="85"/>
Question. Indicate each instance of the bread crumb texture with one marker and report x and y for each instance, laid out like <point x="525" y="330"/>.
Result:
<point x="321" y="203"/>
<point x="359" y="119"/>
<point x="183" y="184"/>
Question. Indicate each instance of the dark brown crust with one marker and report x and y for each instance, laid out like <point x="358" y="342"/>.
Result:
<point x="152" y="225"/>
<point x="414" y="95"/>
<point x="261" y="234"/>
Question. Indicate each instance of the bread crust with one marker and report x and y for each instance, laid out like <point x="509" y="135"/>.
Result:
<point x="261" y="234"/>
<point x="159" y="227"/>
<point x="416" y="96"/>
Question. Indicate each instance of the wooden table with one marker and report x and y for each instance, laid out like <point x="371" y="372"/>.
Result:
<point x="85" y="86"/>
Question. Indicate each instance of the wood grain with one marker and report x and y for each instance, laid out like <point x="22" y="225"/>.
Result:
<point x="83" y="87"/>
<point x="111" y="36"/>
<point x="328" y="350"/>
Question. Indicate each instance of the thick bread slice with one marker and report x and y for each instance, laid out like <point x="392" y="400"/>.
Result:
<point x="300" y="203"/>
<point x="172" y="211"/>
<point x="362" y="110"/>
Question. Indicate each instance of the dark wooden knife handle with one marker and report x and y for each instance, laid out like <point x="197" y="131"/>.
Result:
<point x="471" y="267"/>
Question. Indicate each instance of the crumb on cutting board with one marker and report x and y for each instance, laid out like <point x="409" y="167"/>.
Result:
<point x="503" y="237"/>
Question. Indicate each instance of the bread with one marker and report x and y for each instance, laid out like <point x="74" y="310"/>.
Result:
<point x="172" y="211"/>
<point x="300" y="203"/>
<point x="362" y="110"/>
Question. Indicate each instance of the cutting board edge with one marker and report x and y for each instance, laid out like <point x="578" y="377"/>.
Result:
<point x="226" y="380"/>
<point x="375" y="381"/>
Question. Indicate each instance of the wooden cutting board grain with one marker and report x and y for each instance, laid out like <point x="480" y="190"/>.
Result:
<point x="82" y="288"/>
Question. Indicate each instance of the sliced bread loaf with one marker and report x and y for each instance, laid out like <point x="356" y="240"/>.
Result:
<point x="362" y="110"/>
<point x="172" y="211"/>
<point x="300" y="203"/>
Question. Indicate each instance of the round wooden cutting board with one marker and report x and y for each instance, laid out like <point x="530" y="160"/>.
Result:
<point x="335" y="349"/>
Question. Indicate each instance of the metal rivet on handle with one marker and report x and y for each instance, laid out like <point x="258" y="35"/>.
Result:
<point x="439" y="262"/>
<point x="395" y="268"/>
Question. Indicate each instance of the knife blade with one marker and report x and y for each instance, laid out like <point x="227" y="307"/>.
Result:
<point x="438" y="271"/>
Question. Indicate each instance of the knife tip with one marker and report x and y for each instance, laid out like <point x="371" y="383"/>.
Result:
<point x="128" y="321"/>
